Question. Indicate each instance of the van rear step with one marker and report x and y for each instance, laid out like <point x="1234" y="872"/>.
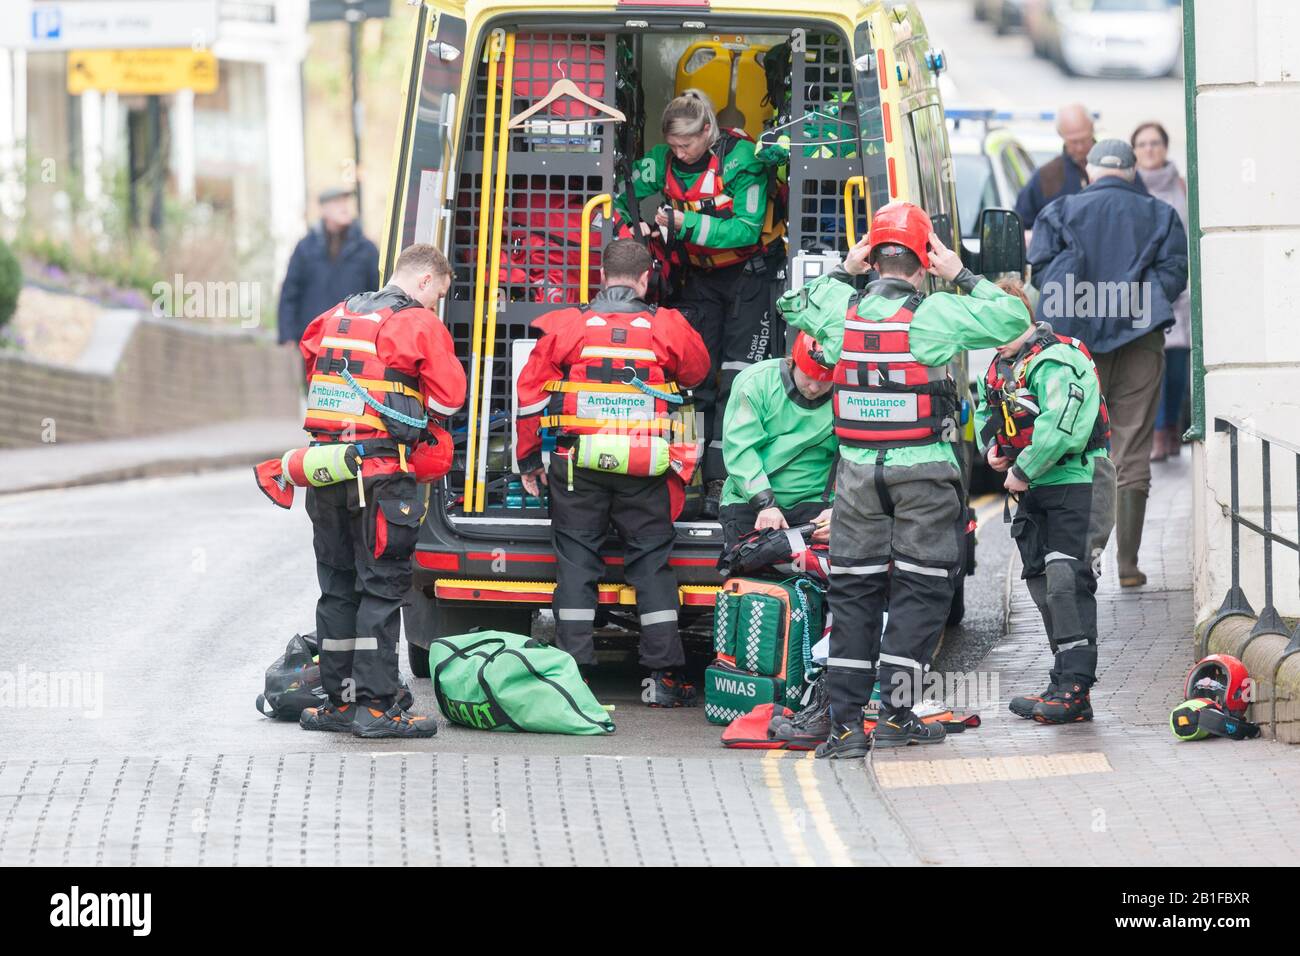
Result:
<point x="539" y="592"/>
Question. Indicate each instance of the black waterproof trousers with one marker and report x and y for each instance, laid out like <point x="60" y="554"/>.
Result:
<point x="732" y="308"/>
<point x="363" y="563"/>
<point x="897" y="541"/>
<point x="1061" y="531"/>
<point x="639" y="509"/>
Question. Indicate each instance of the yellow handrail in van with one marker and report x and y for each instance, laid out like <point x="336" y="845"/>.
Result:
<point x="495" y="46"/>
<point x="494" y="286"/>
<point x="584" y="253"/>
<point x="852" y="184"/>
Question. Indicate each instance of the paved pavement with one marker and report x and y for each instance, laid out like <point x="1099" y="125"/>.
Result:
<point x="1118" y="790"/>
<point x="222" y="445"/>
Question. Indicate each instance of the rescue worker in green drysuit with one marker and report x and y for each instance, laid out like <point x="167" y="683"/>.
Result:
<point x="779" y="445"/>
<point x="1042" y="420"/>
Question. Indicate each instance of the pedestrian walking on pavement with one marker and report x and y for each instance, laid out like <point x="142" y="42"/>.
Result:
<point x="898" y="525"/>
<point x="1041" y="419"/>
<point x="1066" y="174"/>
<point x="1110" y="262"/>
<point x="605" y="379"/>
<point x="333" y="261"/>
<point x="1150" y="143"/>
<point x="391" y="345"/>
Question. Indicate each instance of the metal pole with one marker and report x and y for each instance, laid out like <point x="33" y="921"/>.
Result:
<point x="1236" y="511"/>
<point x="1197" y="431"/>
<point x="156" y="174"/>
<point x="354" y="62"/>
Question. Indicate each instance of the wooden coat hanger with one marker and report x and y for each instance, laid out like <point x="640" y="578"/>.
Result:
<point x="566" y="87"/>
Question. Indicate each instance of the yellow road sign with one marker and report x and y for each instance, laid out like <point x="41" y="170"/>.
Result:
<point x="142" y="71"/>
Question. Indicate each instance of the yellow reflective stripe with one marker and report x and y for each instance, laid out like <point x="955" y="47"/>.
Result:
<point x="372" y="384"/>
<point x="605" y="351"/>
<point x="611" y="424"/>
<point x="357" y="345"/>
<point x="368" y="420"/>
<point x="607" y="387"/>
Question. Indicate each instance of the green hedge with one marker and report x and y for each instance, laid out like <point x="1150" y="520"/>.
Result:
<point x="11" y="283"/>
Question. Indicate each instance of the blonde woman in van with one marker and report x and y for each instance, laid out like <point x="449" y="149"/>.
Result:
<point x="727" y="250"/>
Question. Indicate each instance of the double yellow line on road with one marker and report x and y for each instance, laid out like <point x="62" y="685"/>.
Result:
<point x="812" y="808"/>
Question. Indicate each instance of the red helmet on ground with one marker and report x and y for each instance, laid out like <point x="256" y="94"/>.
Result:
<point x="1223" y="679"/>
<point x="901" y="224"/>
<point x="810" y="360"/>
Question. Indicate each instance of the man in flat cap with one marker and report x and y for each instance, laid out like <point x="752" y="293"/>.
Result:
<point x="1110" y="261"/>
<point x="333" y="261"/>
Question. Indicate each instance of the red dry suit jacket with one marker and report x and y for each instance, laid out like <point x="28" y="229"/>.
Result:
<point x="682" y="356"/>
<point x="412" y="340"/>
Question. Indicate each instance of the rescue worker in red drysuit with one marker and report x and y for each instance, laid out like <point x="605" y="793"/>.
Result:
<point x="390" y="344"/>
<point x="606" y="379"/>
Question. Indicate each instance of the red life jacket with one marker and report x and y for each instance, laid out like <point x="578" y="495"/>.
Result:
<point x="598" y="396"/>
<point x="708" y="197"/>
<point x="884" y="397"/>
<point x="1015" y="408"/>
<point x="336" y="410"/>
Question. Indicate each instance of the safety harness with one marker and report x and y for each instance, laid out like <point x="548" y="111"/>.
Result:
<point x="1015" y="408"/>
<point x="883" y="397"/>
<point x="708" y="197"/>
<point x="617" y="402"/>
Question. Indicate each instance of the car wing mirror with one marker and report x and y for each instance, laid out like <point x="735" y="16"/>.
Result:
<point x="1001" y="244"/>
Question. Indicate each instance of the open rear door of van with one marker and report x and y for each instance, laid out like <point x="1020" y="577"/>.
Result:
<point x="424" y="178"/>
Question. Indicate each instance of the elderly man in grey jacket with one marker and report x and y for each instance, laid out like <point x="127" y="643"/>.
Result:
<point x="1110" y="261"/>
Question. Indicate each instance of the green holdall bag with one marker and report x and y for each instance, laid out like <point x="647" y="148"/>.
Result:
<point x="492" y="680"/>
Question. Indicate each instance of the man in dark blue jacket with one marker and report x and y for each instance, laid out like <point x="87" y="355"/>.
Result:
<point x="1110" y="261"/>
<point x="330" y="263"/>
<point x="1064" y="175"/>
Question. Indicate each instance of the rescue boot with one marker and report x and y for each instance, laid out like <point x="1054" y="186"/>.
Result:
<point x="671" y="689"/>
<point x="712" y="498"/>
<point x="1130" y="513"/>
<point x="1024" y="706"/>
<point x="329" y="718"/>
<point x="903" y="727"/>
<point x="808" y="726"/>
<point x="844" y="743"/>
<point x="1069" y="704"/>
<point x="372" y="722"/>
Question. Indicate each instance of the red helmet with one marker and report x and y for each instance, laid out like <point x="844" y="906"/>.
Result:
<point x="901" y="224"/>
<point x="808" y="358"/>
<point x="1223" y="679"/>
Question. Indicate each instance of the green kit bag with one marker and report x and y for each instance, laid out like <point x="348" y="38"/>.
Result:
<point x="763" y="632"/>
<point x="492" y="680"/>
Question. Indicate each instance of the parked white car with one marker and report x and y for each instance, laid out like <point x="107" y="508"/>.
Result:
<point x="1115" y="37"/>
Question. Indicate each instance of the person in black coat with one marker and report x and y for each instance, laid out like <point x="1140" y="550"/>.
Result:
<point x="333" y="261"/>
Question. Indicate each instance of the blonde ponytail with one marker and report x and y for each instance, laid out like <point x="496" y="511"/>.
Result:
<point x="689" y="114"/>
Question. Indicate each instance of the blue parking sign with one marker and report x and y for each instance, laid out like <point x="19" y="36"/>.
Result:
<point x="47" y="24"/>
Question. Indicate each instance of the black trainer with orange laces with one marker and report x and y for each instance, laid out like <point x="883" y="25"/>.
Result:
<point x="671" y="689"/>
<point x="328" y="717"/>
<point x="372" y="722"/>
<point x="1024" y="706"/>
<point x="1070" y="704"/>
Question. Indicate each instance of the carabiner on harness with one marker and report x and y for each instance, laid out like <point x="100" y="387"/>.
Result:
<point x="384" y="410"/>
<point x="635" y="381"/>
